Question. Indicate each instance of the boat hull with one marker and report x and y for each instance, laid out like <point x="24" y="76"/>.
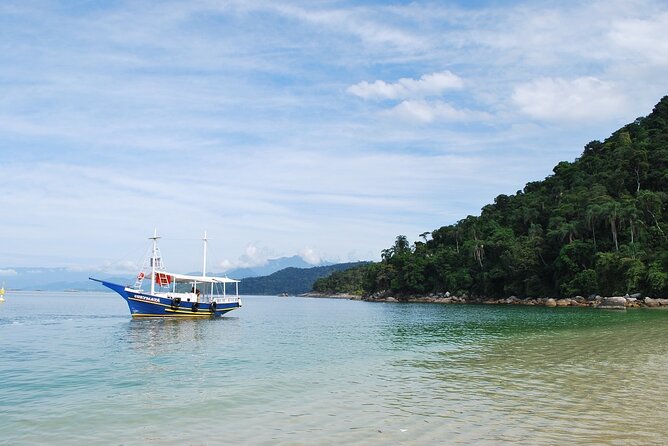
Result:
<point x="143" y="304"/>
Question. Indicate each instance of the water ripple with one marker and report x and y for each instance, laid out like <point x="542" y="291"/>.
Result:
<point x="78" y="369"/>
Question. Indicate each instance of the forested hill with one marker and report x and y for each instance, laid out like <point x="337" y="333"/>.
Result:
<point x="597" y="225"/>
<point x="290" y="280"/>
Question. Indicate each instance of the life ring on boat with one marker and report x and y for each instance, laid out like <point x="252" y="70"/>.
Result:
<point x="212" y="307"/>
<point x="176" y="301"/>
<point x="140" y="276"/>
<point x="195" y="307"/>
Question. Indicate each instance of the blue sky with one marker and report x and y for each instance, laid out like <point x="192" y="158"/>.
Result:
<point x="322" y="129"/>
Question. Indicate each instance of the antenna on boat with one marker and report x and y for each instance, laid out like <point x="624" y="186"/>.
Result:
<point x="154" y="257"/>
<point x="204" y="263"/>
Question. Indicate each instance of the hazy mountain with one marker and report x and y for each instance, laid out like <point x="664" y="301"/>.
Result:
<point x="272" y="266"/>
<point x="61" y="278"/>
<point x="291" y="280"/>
<point x="55" y="279"/>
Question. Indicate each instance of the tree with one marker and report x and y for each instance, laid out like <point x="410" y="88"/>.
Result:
<point x="611" y="210"/>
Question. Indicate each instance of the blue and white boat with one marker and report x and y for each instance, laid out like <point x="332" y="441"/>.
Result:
<point x="176" y="295"/>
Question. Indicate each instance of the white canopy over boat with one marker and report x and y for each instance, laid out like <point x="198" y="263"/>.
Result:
<point x="199" y="279"/>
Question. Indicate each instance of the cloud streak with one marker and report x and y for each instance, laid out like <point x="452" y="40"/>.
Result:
<point x="433" y="84"/>
<point x="423" y="111"/>
<point x="570" y="100"/>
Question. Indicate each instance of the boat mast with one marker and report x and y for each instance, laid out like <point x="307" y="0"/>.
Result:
<point x="154" y="257"/>
<point x="204" y="263"/>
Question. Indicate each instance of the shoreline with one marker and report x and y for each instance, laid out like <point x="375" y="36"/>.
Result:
<point x="593" y="301"/>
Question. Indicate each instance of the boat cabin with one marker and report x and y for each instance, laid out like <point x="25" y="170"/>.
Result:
<point x="200" y="289"/>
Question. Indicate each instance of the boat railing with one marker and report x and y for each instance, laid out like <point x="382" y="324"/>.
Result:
<point x="225" y="299"/>
<point x="189" y="297"/>
<point x="192" y="297"/>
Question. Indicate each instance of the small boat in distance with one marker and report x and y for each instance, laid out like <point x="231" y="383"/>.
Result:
<point x="2" y="292"/>
<point x="176" y="295"/>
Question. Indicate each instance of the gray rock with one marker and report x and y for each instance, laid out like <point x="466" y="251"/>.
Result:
<point x="635" y="295"/>
<point x="447" y="294"/>
<point x="613" y="303"/>
<point x="651" y="302"/>
<point x="563" y="302"/>
<point x="550" y="302"/>
<point x="391" y="299"/>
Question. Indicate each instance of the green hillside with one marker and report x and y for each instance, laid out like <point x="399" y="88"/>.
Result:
<point x="597" y="225"/>
<point x="290" y="280"/>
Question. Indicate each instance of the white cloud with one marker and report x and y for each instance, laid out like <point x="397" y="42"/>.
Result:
<point x="428" y="85"/>
<point x="429" y="111"/>
<point x="360" y="22"/>
<point x="253" y="256"/>
<point x="8" y="272"/>
<point x="557" y="99"/>
<point x="413" y="93"/>
<point x="310" y="256"/>
<point x="121" y="267"/>
<point x="643" y="40"/>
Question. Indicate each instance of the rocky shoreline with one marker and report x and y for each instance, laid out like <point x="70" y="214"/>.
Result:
<point x="595" y="301"/>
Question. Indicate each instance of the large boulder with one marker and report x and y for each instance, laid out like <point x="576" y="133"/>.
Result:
<point x="613" y="303"/>
<point x="651" y="302"/>
<point x="550" y="302"/>
<point x="513" y="300"/>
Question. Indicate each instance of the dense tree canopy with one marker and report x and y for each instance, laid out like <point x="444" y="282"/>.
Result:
<point x="597" y="225"/>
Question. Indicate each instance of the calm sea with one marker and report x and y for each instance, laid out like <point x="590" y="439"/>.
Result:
<point x="76" y="369"/>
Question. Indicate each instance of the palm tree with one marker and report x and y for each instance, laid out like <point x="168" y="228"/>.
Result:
<point x="592" y="215"/>
<point x="611" y="209"/>
<point x="386" y="254"/>
<point x="401" y="244"/>
<point x="562" y="229"/>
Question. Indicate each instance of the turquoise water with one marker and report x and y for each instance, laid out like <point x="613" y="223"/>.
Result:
<point x="76" y="369"/>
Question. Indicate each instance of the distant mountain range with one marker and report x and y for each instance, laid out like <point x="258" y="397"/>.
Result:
<point x="272" y="266"/>
<point x="55" y="279"/>
<point x="61" y="279"/>
<point x="291" y="280"/>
